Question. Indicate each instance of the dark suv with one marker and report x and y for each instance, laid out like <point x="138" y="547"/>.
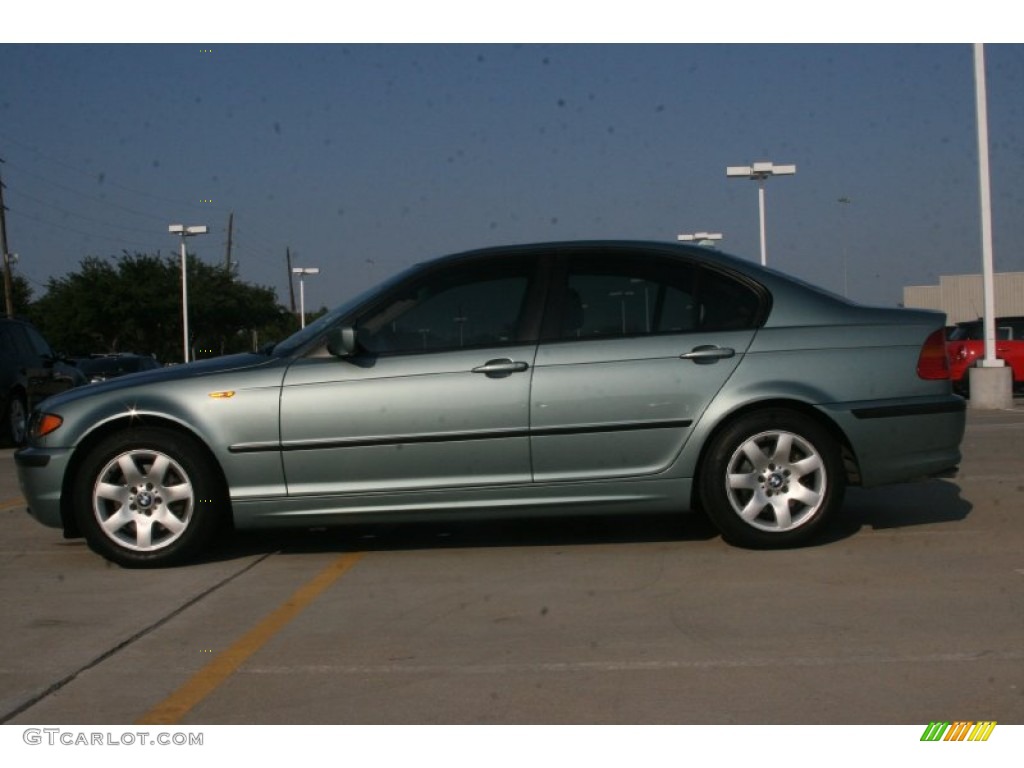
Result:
<point x="29" y="373"/>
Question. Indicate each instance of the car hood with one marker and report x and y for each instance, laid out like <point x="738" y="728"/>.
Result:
<point x="186" y="371"/>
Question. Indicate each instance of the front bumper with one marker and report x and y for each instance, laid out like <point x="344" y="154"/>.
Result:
<point x="41" y="479"/>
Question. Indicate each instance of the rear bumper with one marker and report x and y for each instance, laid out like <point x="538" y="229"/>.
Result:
<point x="897" y="441"/>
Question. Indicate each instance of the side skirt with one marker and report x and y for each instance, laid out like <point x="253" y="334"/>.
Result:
<point x="645" y="495"/>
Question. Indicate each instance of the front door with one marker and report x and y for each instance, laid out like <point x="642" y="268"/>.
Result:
<point x="436" y="397"/>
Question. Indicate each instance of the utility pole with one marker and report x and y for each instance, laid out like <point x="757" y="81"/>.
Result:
<point x="8" y="282"/>
<point x="227" y="256"/>
<point x="291" y="286"/>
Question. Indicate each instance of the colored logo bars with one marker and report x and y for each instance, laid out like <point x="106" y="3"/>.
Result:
<point x="960" y="730"/>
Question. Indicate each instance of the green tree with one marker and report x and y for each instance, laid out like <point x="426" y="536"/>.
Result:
<point x="132" y="303"/>
<point x="21" y="294"/>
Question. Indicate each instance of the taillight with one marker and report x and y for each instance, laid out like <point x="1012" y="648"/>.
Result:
<point x="932" y="363"/>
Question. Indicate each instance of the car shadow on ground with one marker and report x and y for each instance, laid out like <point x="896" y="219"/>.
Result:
<point x="578" y="530"/>
<point x="898" y="506"/>
<point x="892" y="507"/>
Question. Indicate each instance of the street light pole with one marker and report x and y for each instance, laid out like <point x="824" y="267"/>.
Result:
<point x="183" y="232"/>
<point x="985" y="187"/>
<point x="759" y="172"/>
<point x="302" y="272"/>
<point x="991" y="381"/>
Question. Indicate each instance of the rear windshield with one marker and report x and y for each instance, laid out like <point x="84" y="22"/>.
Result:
<point x="973" y="331"/>
<point x="966" y="332"/>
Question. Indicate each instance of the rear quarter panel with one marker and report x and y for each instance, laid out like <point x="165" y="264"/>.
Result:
<point x="844" y="361"/>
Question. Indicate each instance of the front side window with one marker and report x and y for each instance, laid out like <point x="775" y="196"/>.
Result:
<point x="460" y="307"/>
<point x="21" y="343"/>
<point x="39" y="345"/>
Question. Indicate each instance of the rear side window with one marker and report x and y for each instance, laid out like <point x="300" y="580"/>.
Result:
<point x="607" y="296"/>
<point x="1010" y="328"/>
<point x="1006" y="330"/>
<point x="7" y="351"/>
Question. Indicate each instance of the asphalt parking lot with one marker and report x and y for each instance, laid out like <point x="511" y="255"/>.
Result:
<point x="909" y="611"/>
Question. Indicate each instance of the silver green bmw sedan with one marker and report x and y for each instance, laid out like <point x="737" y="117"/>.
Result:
<point x="552" y="378"/>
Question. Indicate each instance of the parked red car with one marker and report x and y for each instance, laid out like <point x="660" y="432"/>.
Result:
<point x="966" y="346"/>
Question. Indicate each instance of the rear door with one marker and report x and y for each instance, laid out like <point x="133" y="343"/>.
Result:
<point x="635" y="350"/>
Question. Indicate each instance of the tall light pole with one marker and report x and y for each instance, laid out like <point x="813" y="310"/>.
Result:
<point x="302" y="272"/>
<point x="991" y="381"/>
<point x="622" y="296"/>
<point x="183" y="232"/>
<point x="707" y="239"/>
<point x="985" y="186"/>
<point x="759" y="172"/>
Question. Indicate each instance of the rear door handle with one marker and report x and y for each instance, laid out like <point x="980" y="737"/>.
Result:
<point x="502" y="366"/>
<point x="708" y="353"/>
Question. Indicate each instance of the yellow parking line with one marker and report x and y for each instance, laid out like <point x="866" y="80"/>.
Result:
<point x="7" y="504"/>
<point x="172" y="709"/>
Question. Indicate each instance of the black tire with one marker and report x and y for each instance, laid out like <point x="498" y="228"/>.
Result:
<point x="148" y="498"/>
<point x="15" y="420"/>
<point x="772" y="479"/>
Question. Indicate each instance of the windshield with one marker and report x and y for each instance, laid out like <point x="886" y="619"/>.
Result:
<point x="298" y="340"/>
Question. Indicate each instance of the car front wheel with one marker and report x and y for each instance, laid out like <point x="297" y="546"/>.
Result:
<point x="772" y="479"/>
<point x="148" y="497"/>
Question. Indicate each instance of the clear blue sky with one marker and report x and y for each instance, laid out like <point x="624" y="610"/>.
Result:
<point x="366" y="158"/>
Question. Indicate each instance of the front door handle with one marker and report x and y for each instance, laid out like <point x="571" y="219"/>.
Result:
<point x="502" y="366"/>
<point x="707" y="353"/>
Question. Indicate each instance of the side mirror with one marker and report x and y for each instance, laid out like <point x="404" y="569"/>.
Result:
<point x="341" y="342"/>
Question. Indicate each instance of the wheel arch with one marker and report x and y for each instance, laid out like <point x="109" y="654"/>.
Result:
<point x="71" y="529"/>
<point x="851" y="465"/>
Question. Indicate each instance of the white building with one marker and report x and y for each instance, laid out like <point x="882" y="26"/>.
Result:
<point x="961" y="297"/>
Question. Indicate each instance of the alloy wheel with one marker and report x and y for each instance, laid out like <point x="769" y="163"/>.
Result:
<point x="143" y="500"/>
<point x="776" y="481"/>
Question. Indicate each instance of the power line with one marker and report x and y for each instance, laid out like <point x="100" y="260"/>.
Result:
<point x="86" y="195"/>
<point x="92" y="175"/>
<point x="263" y="251"/>
<point x="66" y="212"/>
<point x="55" y="225"/>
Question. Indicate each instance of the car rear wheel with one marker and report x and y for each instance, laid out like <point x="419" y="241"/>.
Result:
<point x="772" y="479"/>
<point x="148" y="497"/>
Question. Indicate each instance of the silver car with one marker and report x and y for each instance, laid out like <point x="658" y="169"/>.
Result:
<point x="553" y="378"/>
